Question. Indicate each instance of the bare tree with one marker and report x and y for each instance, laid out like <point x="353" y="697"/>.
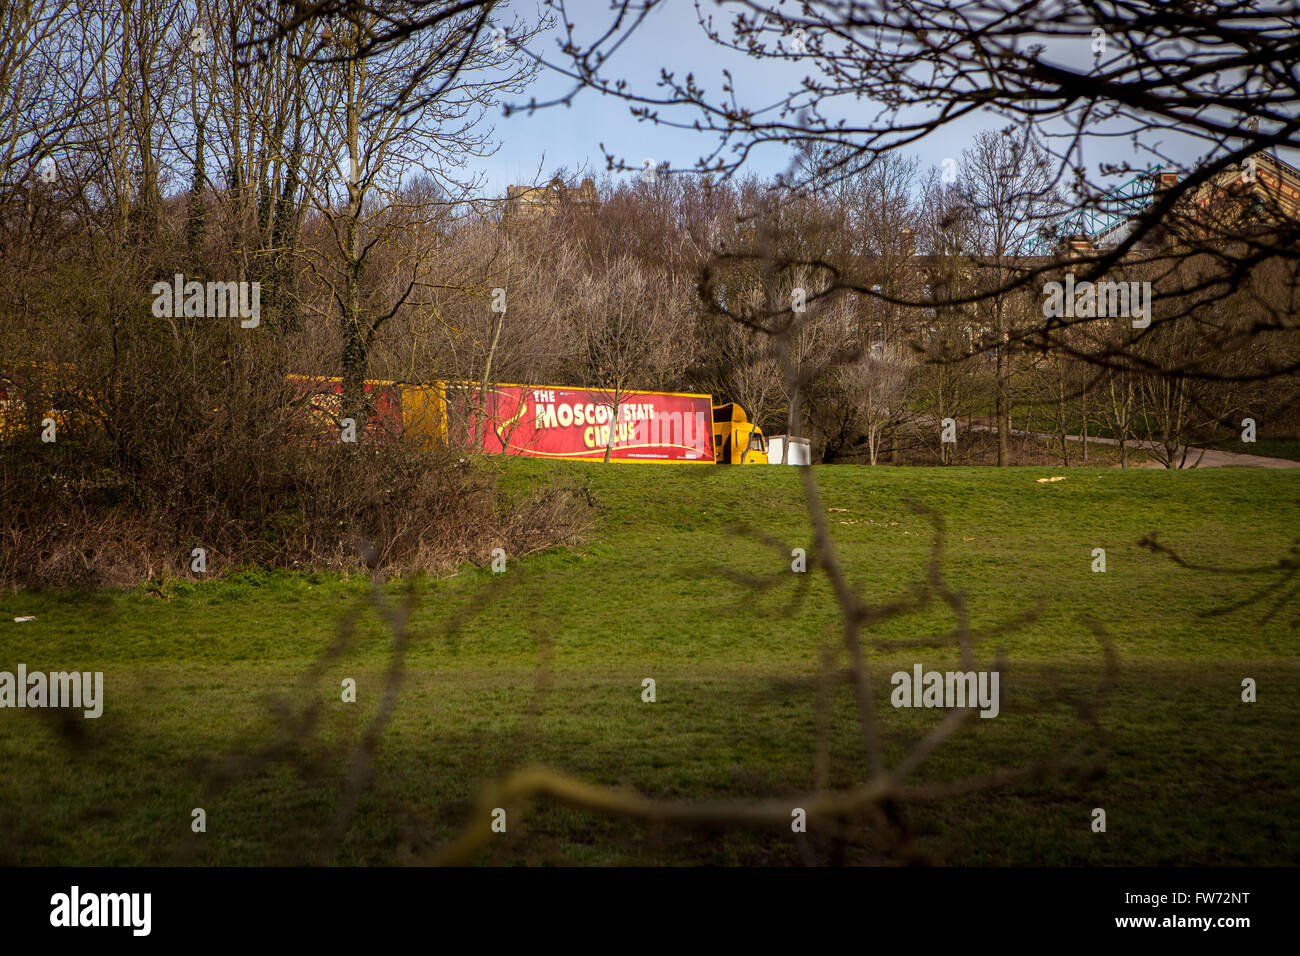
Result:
<point x="625" y="338"/>
<point x="1006" y="187"/>
<point x="1039" y="67"/>
<point x="438" y="85"/>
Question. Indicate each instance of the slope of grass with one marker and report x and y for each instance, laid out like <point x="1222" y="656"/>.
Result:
<point x="547" y="663"/>
<point x="1268" y="447"/>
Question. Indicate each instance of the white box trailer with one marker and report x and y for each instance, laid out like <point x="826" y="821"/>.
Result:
<point x="800" y="450"/>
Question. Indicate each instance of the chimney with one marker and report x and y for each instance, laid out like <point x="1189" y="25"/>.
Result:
<point x="908" y="239"/>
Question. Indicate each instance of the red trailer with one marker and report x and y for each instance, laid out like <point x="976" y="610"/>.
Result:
<point x="575" y="423"/>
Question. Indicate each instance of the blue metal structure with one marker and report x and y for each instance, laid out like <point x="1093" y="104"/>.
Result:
<point x="1098" y="217"/>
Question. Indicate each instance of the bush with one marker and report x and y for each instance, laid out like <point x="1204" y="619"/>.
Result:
<point x="187" y="443"/>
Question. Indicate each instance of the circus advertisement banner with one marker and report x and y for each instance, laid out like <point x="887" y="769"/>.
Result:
<point x="320" y="417"/>
<point x="545" y="422"/>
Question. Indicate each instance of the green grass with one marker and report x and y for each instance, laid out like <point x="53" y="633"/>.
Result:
<point x="1288" y="448"/>
<point x="1042" y="418"/>
<point x="547" y="669"/>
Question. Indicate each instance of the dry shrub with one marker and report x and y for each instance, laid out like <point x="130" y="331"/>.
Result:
<point x="397" y="508"/>
<point x="190" y="440"/>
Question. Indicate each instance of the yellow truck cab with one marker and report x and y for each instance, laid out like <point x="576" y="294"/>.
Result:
<point x="737" y="441"/>
<point x="51" y="390"/>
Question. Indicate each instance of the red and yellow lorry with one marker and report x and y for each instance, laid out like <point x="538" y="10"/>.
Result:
<point x="529" y="420"/>
<point x="552" y="421"/>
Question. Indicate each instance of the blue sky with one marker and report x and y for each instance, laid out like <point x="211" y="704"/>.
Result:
<point x="672" y="38"/>
<point x="571" y="136"/>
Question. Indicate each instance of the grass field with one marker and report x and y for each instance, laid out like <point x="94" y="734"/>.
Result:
<point x="1268" y="447"/>
<point x="548" y="669"/>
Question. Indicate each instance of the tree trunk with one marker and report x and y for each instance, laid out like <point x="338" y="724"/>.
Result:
<point x="1003" y="410"/>
<point x="355" y="345"/>
<point x="195" y="225"/>
<point x="791" y="419"/>
<point x="1062" y="421"/>
<point x="1084" y="434"/>
<point x="480" y="424"/>
<point x="613" y="427"/>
